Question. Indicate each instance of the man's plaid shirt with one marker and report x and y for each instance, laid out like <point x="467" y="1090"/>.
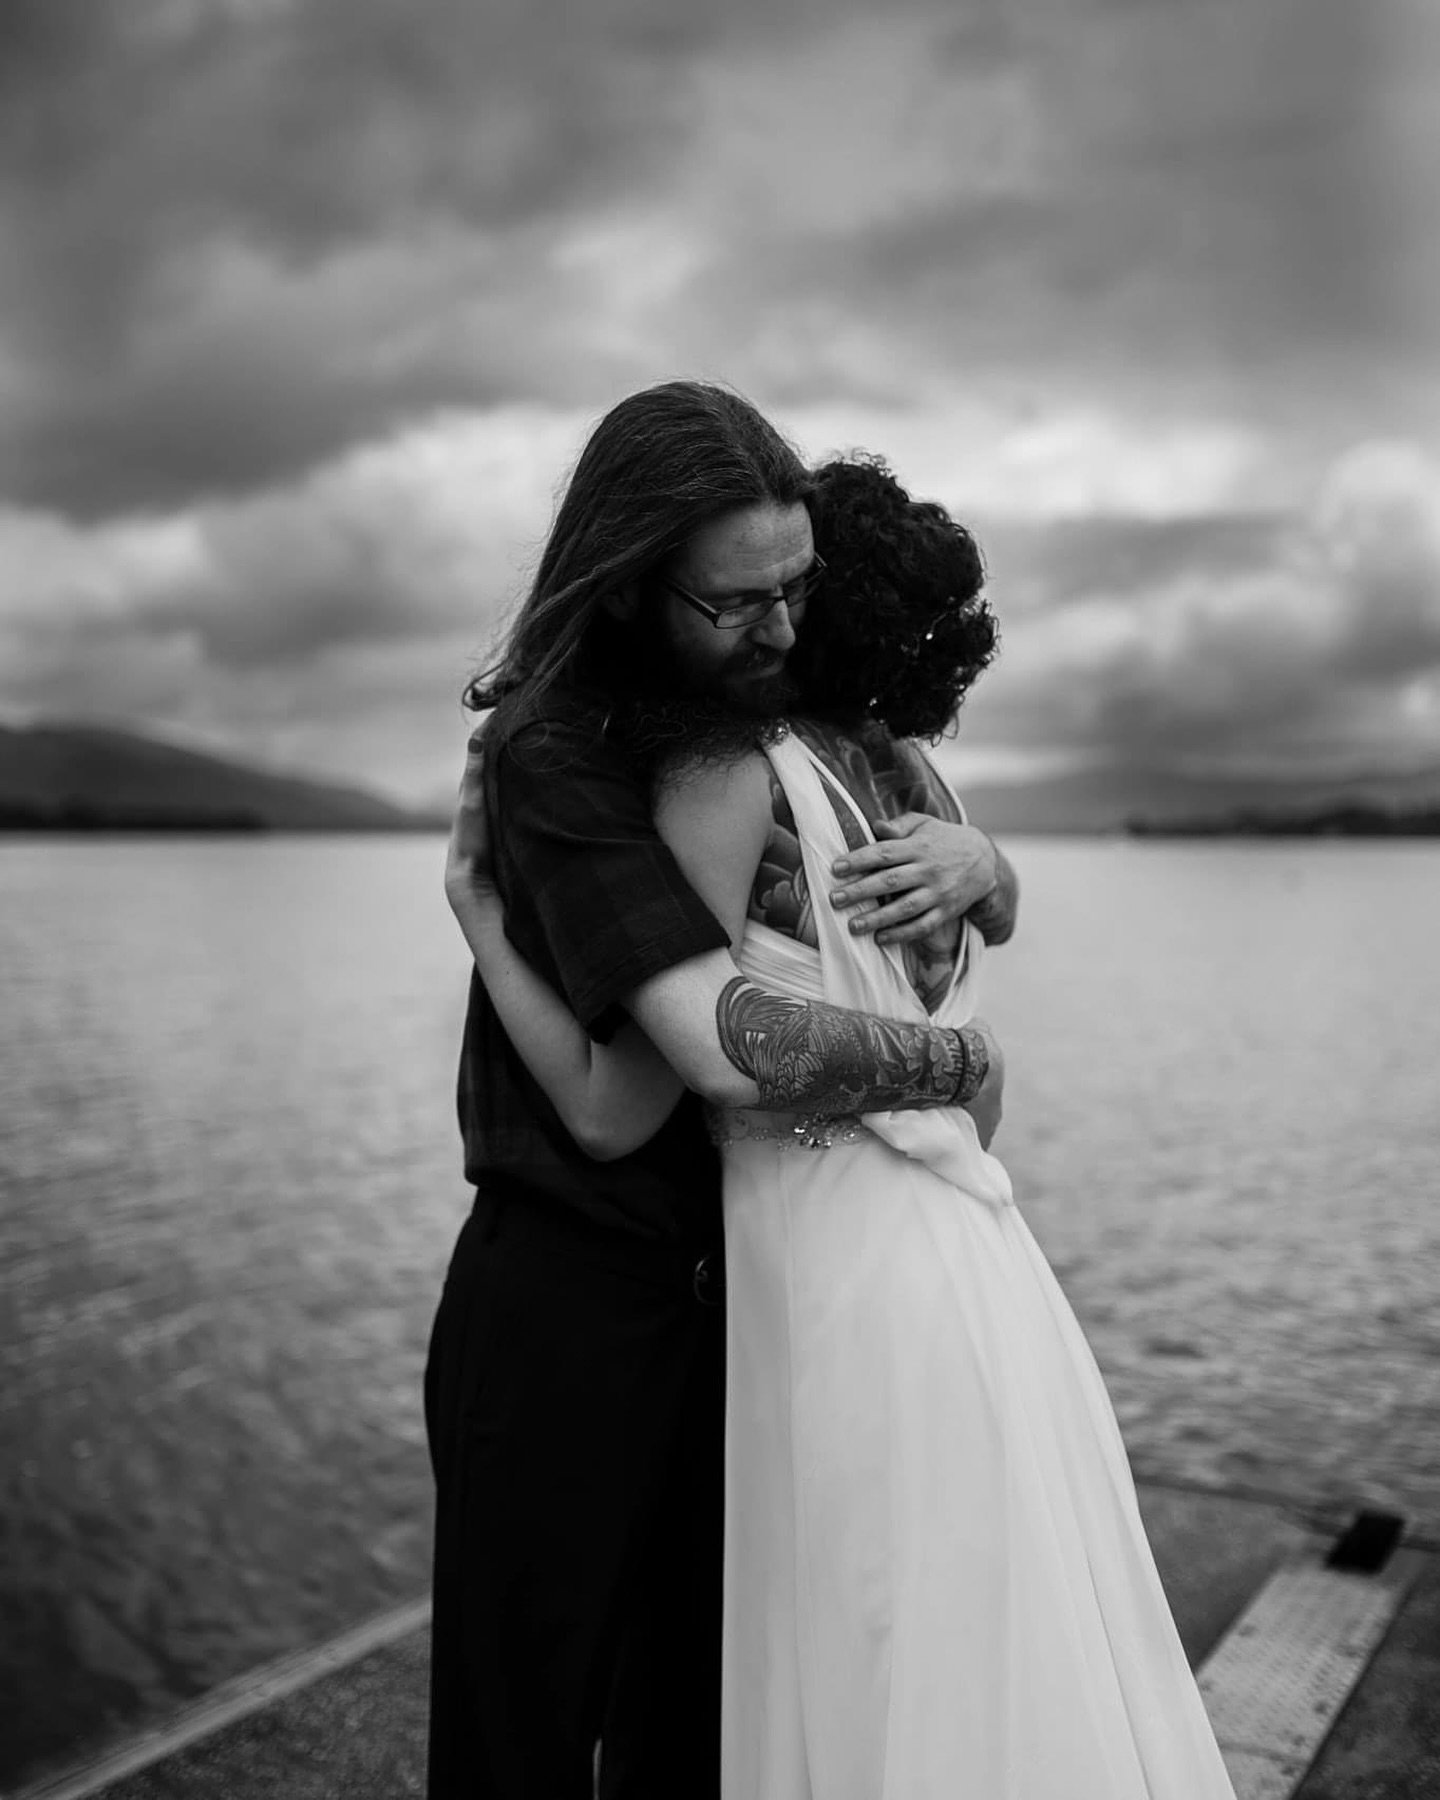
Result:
<point x="596" y="903"/>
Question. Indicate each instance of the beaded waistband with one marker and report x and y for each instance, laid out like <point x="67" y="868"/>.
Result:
<point x="791" y="1131"/>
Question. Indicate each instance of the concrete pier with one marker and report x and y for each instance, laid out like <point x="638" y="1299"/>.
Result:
<point x="347" y="1721"/>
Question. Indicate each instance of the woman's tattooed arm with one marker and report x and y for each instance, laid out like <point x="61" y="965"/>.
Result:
<point x="821" y="1058"/>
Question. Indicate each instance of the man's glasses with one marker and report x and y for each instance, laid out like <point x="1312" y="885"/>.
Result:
<point x="749" y="609"/>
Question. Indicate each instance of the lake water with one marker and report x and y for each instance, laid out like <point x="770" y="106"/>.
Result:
<point x="229" y="1183"/>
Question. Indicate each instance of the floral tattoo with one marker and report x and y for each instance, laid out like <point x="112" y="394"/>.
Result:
<point x="827" y="1059"/>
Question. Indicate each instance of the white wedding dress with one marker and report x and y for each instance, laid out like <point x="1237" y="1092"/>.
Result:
<point x="938" y="1585"/>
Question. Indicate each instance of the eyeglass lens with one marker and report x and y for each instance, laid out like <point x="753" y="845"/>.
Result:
<point x="792" y="593"/>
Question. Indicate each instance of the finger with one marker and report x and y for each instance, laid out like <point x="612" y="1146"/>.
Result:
<point x="474" y="760"/>
<point x="883" y="886"/>
<point x="470" y="802"/>
<point x="901" y="826"/>
<point x="908" y="933"/>
<point x="898" y="912"/>
<point x="871" y="857"/>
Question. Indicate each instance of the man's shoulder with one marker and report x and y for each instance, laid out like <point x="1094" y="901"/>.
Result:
<point x="561" y="782"/>
<point x="564" y="733"/>
<point x="562" y="711"/>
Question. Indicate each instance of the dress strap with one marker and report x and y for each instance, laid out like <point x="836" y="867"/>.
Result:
<point x="857" y="972"/>
<point x="822" y="821"/>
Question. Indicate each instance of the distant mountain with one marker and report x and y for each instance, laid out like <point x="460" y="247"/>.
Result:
<point x="1341" y="820"/>
<point x="1116" y="799"/>
<point x="78" y="777"/>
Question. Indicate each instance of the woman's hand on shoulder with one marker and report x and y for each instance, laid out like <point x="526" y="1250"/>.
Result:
<point x="469" y="862"/>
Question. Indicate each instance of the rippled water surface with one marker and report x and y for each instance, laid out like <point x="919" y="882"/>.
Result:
<point x="229" y="1183"/>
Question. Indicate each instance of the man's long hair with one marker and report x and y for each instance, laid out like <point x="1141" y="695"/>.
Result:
<point x="657" y="468"/>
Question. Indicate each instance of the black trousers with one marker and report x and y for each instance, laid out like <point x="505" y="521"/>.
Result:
<point x="574" y="1399"/>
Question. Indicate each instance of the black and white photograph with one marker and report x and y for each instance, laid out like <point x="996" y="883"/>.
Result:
<point x="719" y="900"/>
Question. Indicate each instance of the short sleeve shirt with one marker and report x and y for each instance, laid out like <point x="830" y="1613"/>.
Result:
<point x="596" y="903"/>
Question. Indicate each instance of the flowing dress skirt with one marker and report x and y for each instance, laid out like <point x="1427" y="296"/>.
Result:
<point x="938" y="1585"/>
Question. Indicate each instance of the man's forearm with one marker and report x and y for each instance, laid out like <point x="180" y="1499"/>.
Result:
<point x="812" y="1057"/>
<point x="994" y="916"/>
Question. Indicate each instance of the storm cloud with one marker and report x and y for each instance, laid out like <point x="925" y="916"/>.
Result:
<point x="307" y="305"/>
<point x="1317" y="652"/>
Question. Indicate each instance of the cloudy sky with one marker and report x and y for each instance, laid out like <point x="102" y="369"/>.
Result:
<point x="307" y="305"/>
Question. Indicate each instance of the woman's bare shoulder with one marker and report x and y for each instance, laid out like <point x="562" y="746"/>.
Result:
<point x="732" y="784"/>
<point x="715" y="816"/>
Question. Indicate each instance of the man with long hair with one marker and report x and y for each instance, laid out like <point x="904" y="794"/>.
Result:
<point x="575" y="1387"/>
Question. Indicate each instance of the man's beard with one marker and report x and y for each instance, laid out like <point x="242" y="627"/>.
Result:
<point x="673" y="714"/>
<point x="755" y="683"/>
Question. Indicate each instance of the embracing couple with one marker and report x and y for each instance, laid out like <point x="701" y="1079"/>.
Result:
<point x="741" y="1269"/>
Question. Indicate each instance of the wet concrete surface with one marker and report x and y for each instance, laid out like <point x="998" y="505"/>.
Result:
<point x="358" y="1732"/>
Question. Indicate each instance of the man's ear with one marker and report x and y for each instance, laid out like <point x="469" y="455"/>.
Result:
<point x="624" y="603"/>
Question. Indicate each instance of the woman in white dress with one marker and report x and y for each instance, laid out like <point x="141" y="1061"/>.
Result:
<point x="937" y="1579"/>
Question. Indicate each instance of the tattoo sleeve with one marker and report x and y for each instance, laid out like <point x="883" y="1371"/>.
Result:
<point x="826" y="1059"/>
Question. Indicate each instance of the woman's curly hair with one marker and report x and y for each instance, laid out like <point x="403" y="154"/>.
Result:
<point x="899" y="629"/>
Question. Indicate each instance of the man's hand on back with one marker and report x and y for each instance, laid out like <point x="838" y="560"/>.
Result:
<point x="922" y="874"/>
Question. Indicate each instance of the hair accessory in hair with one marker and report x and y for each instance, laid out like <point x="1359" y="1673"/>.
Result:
<point x="902" y="630"/>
